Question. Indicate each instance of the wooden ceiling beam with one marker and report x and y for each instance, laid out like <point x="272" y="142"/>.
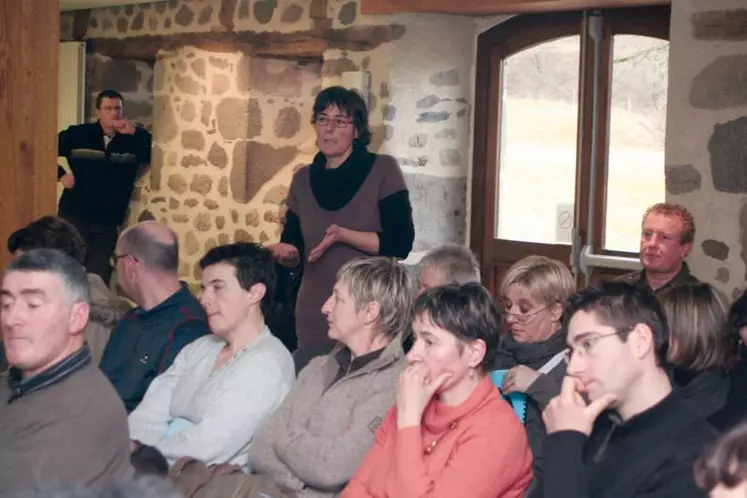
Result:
<point x="494" y="7"/>
<point x="309" y="44"/>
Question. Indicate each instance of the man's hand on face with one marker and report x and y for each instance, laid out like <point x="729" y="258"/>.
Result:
<point x="569" y="412"/>
<point x="68" y="180"/>
<point x="124" y="126"/>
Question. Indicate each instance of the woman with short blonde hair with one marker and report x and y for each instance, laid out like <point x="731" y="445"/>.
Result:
<point x="530" y="366"/>
<point x="318" y="437"/>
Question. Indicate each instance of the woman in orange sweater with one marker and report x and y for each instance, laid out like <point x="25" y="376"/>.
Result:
<point x="450" y="434"/>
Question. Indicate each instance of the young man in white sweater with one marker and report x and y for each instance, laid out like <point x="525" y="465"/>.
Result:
<point x="222" y="386"/>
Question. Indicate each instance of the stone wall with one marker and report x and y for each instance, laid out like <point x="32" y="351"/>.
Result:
<point x="706" y="126"/>
<point x="132" y="78"/>
<point x="228" y="132"/>
<point x="230" y="126"/>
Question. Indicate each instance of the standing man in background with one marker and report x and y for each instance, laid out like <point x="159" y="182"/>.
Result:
<point x="106" y="158"/>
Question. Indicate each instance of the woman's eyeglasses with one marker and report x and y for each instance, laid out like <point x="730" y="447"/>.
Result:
<point x="338" y="122"/>
<point x="522" y="316"/>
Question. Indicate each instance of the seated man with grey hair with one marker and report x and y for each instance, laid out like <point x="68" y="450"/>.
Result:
<point x="61" y="423"/>
<point x="167" y="317"/>
<point x="448" y="264"/>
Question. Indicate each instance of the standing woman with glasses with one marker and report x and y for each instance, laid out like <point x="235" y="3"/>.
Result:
<point x="534" y="292"/>
<point x="346" y="204"/>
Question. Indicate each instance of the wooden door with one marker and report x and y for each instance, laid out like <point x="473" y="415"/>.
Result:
<point x="569" y="137"/>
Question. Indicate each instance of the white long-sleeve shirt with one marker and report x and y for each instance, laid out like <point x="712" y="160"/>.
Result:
<point x="218" y="410"/>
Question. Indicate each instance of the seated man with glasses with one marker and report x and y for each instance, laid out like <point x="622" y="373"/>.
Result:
<point x="636" y="436"/>
<point x="167" y="317"/>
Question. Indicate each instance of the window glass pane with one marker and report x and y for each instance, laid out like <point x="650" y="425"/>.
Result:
<point x="635" y="175"/>
<point x="537" y="146"/>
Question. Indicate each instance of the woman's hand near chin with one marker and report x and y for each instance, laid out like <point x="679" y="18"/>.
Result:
<point x="414" y="390"/>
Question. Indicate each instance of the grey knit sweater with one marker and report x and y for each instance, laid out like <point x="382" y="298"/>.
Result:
<point x="320" y="434"/>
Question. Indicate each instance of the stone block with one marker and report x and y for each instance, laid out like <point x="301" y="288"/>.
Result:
<point x="217" y="156"/>
<point x="715" y="249"/>
<point x="264" y="9"/>
<point x="439" y="209"/>
<point x="239" y="118"/>
<point x="165" y="127"/>
<point x="682" y="179"/>
<point x="114" y="73"/>
<point x="177" y="183"/>
<point x="276" y="195"/>
<point x="446" y="78"/>
<point x="191" y="243"/>
<point x="287" y="122"/>
<point x="728" y="151"/>
<point x="722" y="84"/>
<point x="184" y="16"/>
<point x="255" y="163"/>
<point x="193" y="140"/>
<point x="348" y="13"/>
<point x="292" y="14"/>
<point x="201" y="184"/>
<point x="726" y="25"/>
<point x="203" y="222"/>
<point x="187" y="84"/>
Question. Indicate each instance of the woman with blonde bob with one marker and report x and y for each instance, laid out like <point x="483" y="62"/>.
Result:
<point x="700" y="350"/>
<point x="534" y="292"/>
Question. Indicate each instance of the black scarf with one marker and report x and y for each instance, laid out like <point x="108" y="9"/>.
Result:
<point x="705" y="392"/>
<point x="532" y="354"/>
<point x="334" y="188"/>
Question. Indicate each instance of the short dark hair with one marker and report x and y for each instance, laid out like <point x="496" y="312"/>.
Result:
<point x="622" y="306"/>
<point x="351" y="103"/>
<point x="253" y="263"/>
<point x="150" y="252"/>
<point x="724" y="462"/>
<point x="71" y="272"/>
<point x="108" y="94"/>
<point x="468" y="311"/>
<point x="49" y="232"/>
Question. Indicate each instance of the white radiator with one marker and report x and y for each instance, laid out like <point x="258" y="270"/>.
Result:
<point x="71" y="88"/>
<point x="71" y="84"/>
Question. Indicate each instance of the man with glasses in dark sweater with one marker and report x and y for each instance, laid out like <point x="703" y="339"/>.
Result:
<point x="106" y="157"/>
<point x="636" y="437"/>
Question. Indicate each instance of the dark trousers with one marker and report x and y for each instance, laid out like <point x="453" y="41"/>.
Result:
<point x="100" y="241"/>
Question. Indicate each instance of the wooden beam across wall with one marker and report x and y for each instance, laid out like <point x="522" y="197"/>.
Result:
<point x="494" y="7"/>
<point x="29" y="41"/>
<point x="296" y="45"/>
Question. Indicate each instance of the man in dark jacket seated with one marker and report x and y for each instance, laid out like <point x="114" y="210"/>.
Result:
<point x="647" y="440"/>
<point x="167" y="317"/>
